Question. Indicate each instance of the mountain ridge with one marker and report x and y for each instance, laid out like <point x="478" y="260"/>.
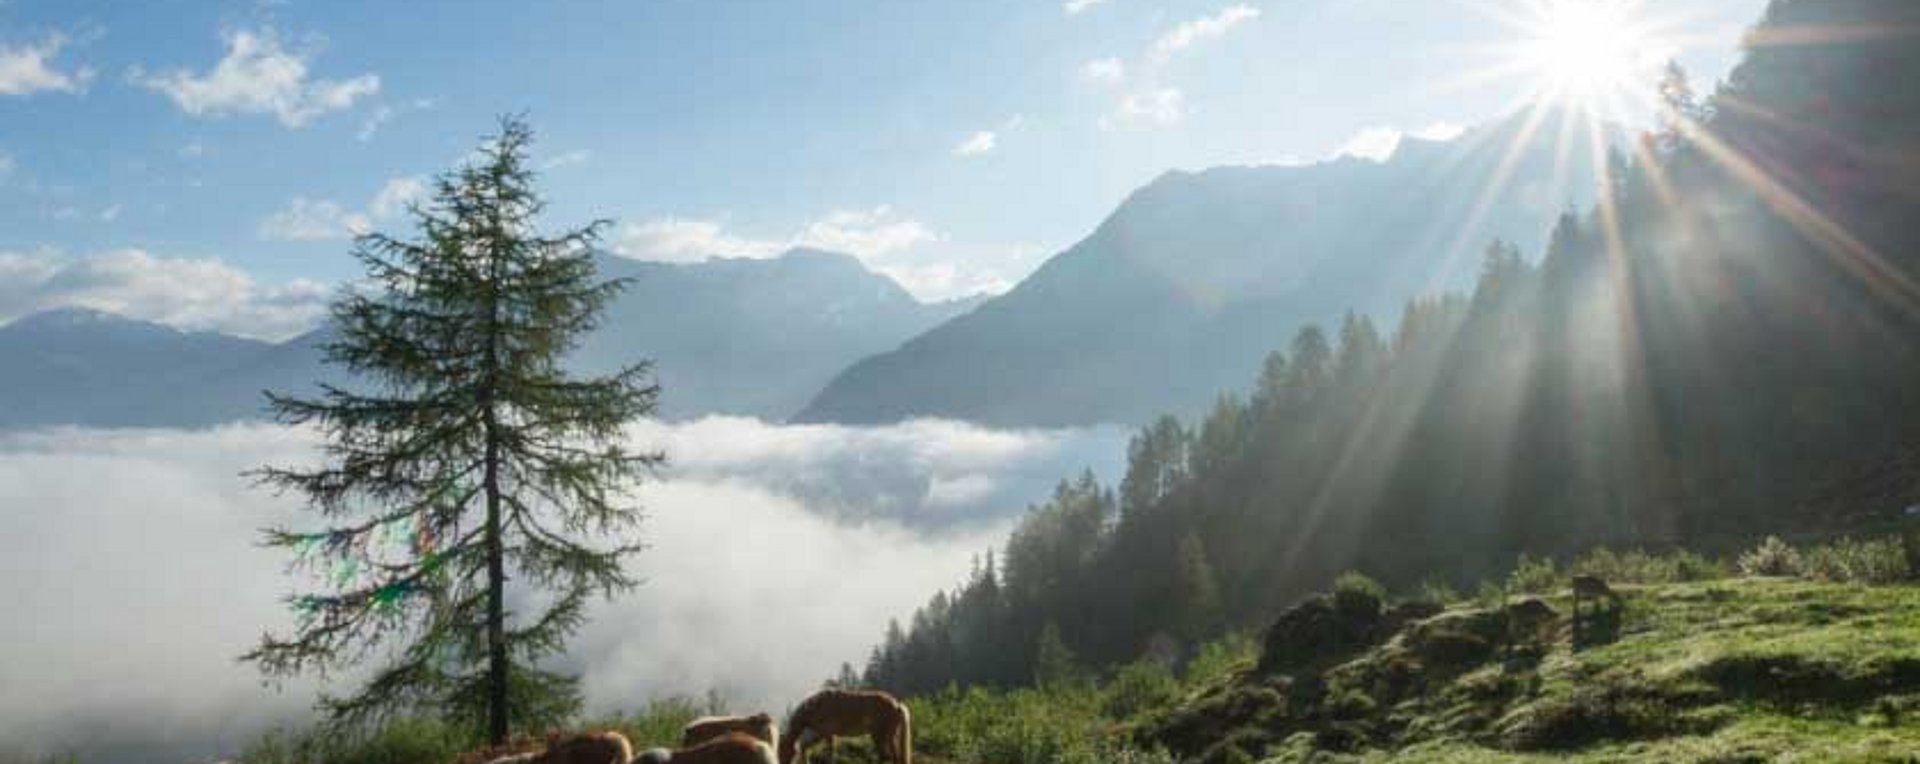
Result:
<point x="1206" y="271"/>
<point x="83" y="366"/>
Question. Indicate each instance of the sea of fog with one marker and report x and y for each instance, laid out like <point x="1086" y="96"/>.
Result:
<point x="132" y="579"/>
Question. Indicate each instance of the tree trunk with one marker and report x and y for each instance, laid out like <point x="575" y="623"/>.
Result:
<point x="496" y="605"/>
<point x="497" y="665"/>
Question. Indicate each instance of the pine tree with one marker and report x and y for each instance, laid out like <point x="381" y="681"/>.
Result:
<point x="1054" y="664"/>
<point x="473" y="455"/>
<point x="1198" y="593"/>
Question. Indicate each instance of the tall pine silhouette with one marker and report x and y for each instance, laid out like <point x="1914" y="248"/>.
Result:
<point x="466" y="459"/>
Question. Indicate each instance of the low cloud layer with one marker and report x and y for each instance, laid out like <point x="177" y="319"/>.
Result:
<point x="777" y="552"/>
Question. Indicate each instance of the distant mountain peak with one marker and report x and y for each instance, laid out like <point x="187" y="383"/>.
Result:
<point x="80" y="318"/>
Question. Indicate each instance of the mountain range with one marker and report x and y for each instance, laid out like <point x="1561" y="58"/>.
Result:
<point x="1180" y="293"/>
<point x="753" y="337"/>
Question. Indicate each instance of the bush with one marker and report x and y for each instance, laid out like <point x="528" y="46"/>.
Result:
<point x="1865" y="562"/>
<point x="1354" y="592"/>
<point x="1533" y="575"/>
<point x="1438" y="591"/>
<point x="1636" y="566"/>
<point x="404" y="741"/>
<point x="1219" y="659"/>
<point x="658" y="724"/>
<point x="1772" y="557"/>
<point x="1056" y="725"/>
<point x="1139" y="687"/>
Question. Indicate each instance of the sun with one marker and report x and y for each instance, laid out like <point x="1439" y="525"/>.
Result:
<point x="1587" y="52"/>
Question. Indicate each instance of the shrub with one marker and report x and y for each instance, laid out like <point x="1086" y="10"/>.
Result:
<point x="659" y="723"/>
<point x="1533" y="575"/>
<point x="1438" y="591"/>
<point x="404" y="741"/>
<point x="1848" y="561"/>
<point x="1636" y="566"/>
<point x="1218" y="659"/>
<point x="1139" y="687"/>
<point x="1490" y="596"/>
<point x="1772" y="557"/>
<point x="1354" y="592"/>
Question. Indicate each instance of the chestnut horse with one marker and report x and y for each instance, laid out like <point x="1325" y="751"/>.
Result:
<point x="584" y="748"/>
<point x="707" y="728"/>
<point x="729" y="748"/>
<point x="831" y="714"/>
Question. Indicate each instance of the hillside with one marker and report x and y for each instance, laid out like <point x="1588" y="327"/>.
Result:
<point x="1179" y="293"/>
<point x="1716" y="670"/>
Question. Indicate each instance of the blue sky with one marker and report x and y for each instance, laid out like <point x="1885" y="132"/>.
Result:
<point x="202" y="163"/>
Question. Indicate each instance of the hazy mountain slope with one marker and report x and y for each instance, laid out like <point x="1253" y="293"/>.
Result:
<point x="757" y="337"/>
<point x="750" y="337"/>
<point x="1184" y="288"/>
<point x="86" y="367"/>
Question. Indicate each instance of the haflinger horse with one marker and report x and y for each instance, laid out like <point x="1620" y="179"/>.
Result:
<point x="728" y="748"/>
<point x="706" y="728"/>
<point x="831" y="714"/>
<point x="584" y="748"/>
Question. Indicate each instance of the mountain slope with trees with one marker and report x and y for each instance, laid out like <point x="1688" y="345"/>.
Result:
<point x="1724" y="346"/>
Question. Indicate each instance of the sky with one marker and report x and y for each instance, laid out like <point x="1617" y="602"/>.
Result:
<point x="190" y="162"/>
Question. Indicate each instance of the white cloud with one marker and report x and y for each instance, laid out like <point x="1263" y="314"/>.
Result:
<point x="861" y="233"/>
<point x="385" y="113"/>
<point x="910" y="252"/>
<point x="1379" y="143"/>
<point x="577" y="156"/>
<point x="1203" y="28"/>
<point x="305" y="219"/>
<point x="258" y="76"/>
<point x="1153" y="108"/>
<point x="978" y="144"/>
<point x="27" y="69"/>
<point x="866" y="234"/>
<point x="1375" y="143"/>
<point x="1439" y="131"/>
<point x="193" y="150"/>
<point x="180" y="292"/>
<point x="681" y="240"/>
<point x="1075" y="6"/>
<point x="7" y="163"/>
<point x="394" y="196"/>
<point x="1107" y="71"/>
<point x="829" y="568"/>
<point x="110" y="214"/>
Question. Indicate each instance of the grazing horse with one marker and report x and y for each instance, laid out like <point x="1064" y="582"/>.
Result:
<point x="584" y="748"/>
<point x="706" y="728"/>
<point x="728" y="748"/>
<point x="588" y="748"/>
<point x="831" y="714"/>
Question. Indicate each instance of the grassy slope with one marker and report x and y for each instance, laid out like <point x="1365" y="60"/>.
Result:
<point x="1727" y="670"/>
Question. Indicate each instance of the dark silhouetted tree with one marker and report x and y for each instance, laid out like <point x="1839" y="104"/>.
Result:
<point x="472" y="460"/>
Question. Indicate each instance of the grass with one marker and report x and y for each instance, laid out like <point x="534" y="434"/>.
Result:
<point x="1819" y="665"/>
<point x="1732" y="670"/>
